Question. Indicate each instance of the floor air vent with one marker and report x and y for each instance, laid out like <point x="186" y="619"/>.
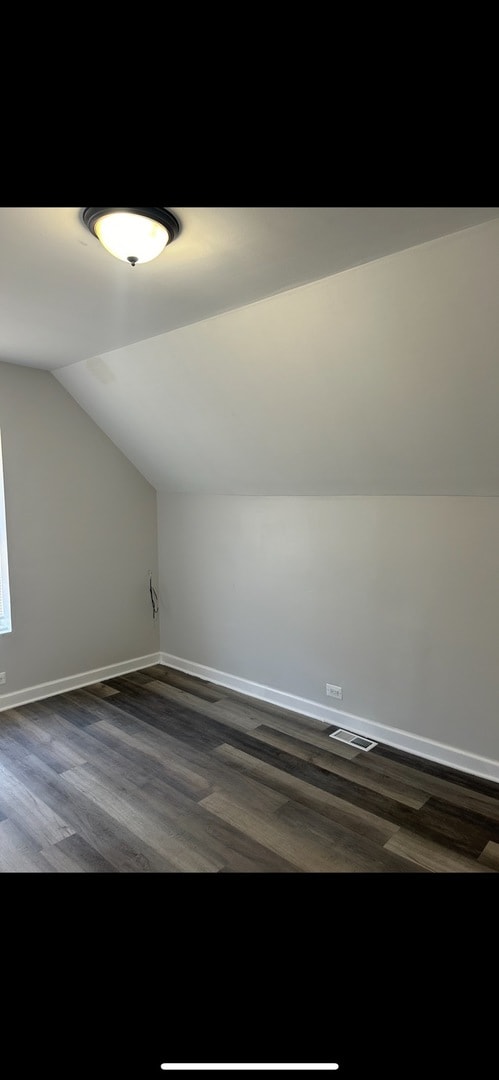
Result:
<point x="353" y="740"/>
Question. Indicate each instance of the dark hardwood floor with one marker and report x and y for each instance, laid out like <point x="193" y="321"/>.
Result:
<point x="161" y="772"/>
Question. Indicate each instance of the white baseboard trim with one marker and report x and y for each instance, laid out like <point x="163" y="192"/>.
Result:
<point x="75" y="682"/>
<point x="453" y="758"/>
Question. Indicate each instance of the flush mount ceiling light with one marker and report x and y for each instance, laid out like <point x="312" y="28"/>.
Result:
<point x="134" y="234"/>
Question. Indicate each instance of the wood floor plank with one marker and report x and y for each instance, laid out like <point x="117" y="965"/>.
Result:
<point x="251" y="716"/>
<point x="271" y="710"/>
<point x="240" y="853"/>
<point x="73" y="711"/>
<point x="23" y="806"/>
<point x="490" y="855"/>
<point x="356" y="854"/>
<point x="17" y="856"/>
<point x="450" y="790"/>
<point x="305" y="727"/>
<point x="198" y="687"/>
<point x="157" y="771"/>
<point x="101" y="690"/>
<point x="57" y="753"/>
<point x="140" y="822"/>
<point x="155" y="739"/>
<point x="346" y="789"/>
<point x="351" y="817"/>
<point x="463" y="830"/>
<point x="318" y="739"/>
<point x="432" y="768"/>
<point x="129" y="774"/>
<point x="386" y="785"/>
<point x="187" y="725"/>
<point x="27" y="726"/>
<point x="433" y="856"/>
<point x="209" y="772"/>
<point x="307" y="854"/>
<point x="237" y="852"/>
<point x="137" y="750"/>
<point x="217" y="710"/>
<point x="75" y="856"/>
<point x="248" y="718"/>
<point x="113" y="840"/>
<point x="92" y="748"/>
<point x="136" y="678"/>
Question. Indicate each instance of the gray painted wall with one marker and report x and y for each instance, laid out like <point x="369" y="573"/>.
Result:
<point x="396" y="599"/>
<point x="81" y="526"/>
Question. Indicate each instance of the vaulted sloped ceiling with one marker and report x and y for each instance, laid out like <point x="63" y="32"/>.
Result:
<point x="64" y="299"/>
<point x="380" y="379"/>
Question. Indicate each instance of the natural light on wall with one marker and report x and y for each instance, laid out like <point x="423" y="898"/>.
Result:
<point x="5" y="620"/>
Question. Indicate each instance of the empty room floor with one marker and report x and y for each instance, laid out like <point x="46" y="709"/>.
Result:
<point x="161" y="772"/>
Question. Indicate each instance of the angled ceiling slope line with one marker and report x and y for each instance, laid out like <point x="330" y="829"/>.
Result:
<point x="382" y="380"/>
<point x="65" y="300"/>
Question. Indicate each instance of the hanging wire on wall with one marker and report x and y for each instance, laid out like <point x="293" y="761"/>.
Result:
<point x="154" y="598"/>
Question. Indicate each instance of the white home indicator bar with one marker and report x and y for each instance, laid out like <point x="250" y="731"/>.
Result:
<point x="248" y="1067"/>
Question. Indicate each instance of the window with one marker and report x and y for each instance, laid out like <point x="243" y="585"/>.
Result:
<point x="5" y="621"/>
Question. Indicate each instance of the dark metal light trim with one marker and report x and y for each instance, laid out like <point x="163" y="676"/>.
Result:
<point x="91" y="215"/>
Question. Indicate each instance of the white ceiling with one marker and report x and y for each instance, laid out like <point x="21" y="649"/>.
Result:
<point x="274" y="350"/>
<point x="64" y="299"/>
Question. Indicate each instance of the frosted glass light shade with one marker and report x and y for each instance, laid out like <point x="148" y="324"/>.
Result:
<point x="131" y="236"/>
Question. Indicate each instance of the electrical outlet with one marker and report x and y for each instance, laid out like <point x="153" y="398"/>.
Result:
<point x="334" y="691"/>
<point x="3" y="677"/>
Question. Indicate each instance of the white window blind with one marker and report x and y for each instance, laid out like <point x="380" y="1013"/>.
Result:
<point x="5" y="620"/>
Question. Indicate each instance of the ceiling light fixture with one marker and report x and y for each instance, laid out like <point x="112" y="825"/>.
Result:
<point x="134" y="234"/>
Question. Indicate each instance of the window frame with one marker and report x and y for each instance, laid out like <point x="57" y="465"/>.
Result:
<point x="5" y="611"/>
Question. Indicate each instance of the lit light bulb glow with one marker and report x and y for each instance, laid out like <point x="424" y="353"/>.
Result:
<point x="131" y="236"/>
